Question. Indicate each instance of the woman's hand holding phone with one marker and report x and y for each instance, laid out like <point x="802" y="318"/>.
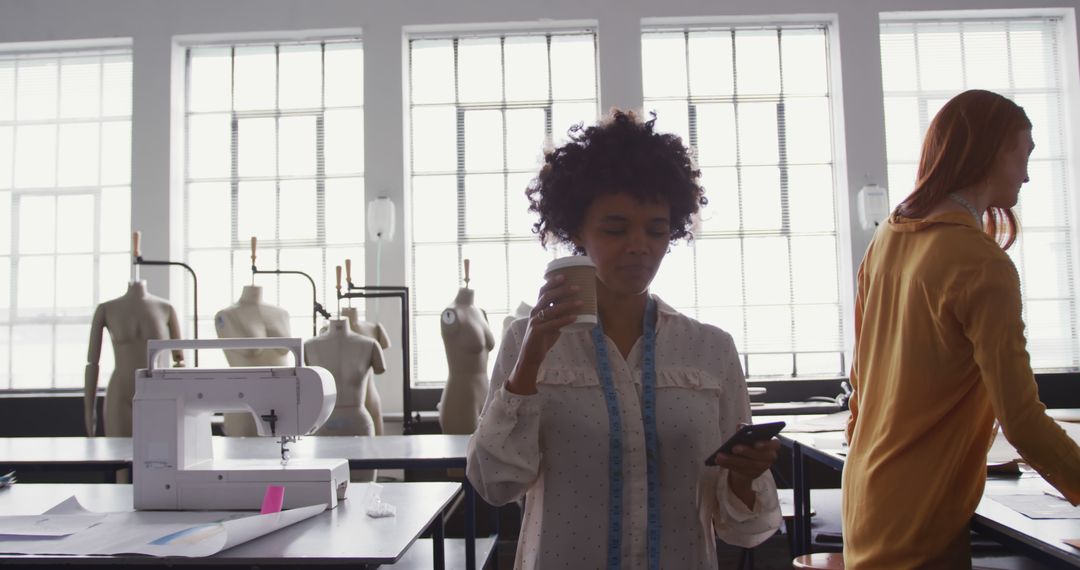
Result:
<point x="749" y="461"/>
<point x="746" y="455"/>
<point x="746" y="438"/>
<point x="745" y="464"/>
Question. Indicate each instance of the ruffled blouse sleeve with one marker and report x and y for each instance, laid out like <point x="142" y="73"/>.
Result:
<point x="504" y="451"/>
<point x="733" y="521"/>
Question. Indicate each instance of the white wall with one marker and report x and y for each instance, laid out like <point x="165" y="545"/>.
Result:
<point x="153" y="26"/>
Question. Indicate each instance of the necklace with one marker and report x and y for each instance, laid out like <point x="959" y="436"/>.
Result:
<point x="974" y="213"/>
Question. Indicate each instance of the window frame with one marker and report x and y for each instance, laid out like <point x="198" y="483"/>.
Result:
<point x="103" y="51"/>
<point x="461" y="172"/>
<point x="270" y="248"/>
<point x="1065" y="84"/>
<point x="842" y="232"/>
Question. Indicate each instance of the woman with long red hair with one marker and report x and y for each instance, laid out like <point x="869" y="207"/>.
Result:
<point x="940" y="349"/>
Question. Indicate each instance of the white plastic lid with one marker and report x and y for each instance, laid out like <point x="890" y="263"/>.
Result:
<point x="570" y="261"/>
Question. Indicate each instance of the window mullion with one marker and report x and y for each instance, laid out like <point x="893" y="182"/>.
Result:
<point x="234" y="171"/>
<point x="56" y="221"/>
<point x="277" y="170"/>
<point x="459" y="125"/>
<point x="742" y="213"/>
<point x="505" y="177"/>
<point x="549" y="110"/>
<point x="95" y="268"/>
<point x="320" y="171"/>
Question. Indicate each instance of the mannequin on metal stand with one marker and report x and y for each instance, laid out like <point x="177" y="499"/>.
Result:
<point x="250" y="317"/>
<point x="131" y="319"/>
<point x="376" y="332"/>
<point x="351" y="358"/>
<point x="468" y="340"/>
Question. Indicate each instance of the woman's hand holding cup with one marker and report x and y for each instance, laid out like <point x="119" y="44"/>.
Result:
<point x="561" y="303"/>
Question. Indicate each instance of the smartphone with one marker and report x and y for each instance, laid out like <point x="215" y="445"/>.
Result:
<point x="747" y="435"/>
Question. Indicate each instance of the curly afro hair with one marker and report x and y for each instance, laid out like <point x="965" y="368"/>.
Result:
<point x="622" y="154"/>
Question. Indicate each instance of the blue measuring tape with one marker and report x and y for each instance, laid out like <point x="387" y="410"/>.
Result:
<point x="615" y="445"/>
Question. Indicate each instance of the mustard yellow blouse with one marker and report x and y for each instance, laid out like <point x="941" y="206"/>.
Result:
<point x="939" y="353"/>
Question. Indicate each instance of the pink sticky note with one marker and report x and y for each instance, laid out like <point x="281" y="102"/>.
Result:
<point x="275" y="496"/>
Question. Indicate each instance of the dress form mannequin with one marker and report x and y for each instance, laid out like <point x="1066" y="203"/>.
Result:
<point x="249" y="317"/>
<point x="468" y="340"/>
<point x="375" y="331"/>
<point x="351" y="358"/>
<point x="523" y="310"/>
<point x="132" y="319"/>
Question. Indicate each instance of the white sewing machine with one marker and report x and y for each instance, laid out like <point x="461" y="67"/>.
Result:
<point x="174" y="467"/>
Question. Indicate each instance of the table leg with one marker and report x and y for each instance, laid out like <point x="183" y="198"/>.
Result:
<point x="438" y="543"/>
<point x="470" y="526"/>
<point x="807" y="534"/>
<point x="495" y="547"/>
<point x="798" y="485"/>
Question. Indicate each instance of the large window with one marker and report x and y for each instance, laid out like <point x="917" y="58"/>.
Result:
<point x="481" y="111"/>
<point x="275" y="150"/>
<point x="65" y="147"/>
<point x="924" y="63"/>
<point x="754" y="104"/>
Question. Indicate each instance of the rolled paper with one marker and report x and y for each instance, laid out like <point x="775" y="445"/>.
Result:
<point x="273" y="499"/>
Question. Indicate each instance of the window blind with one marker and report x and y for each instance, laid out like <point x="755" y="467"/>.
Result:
<point x="65" y="172"/>
<point x="482" y="108"/>
<point x="924" y="64"/>
<point x="753" y="103"/>
<point x="275" y="149"/>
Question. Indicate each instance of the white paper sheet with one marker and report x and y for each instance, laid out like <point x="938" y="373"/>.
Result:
<point x="47" y="525"/>
<point x="1002" y="451"/>
<point x="64" y="519"/>
<point x="69" y="506"/>
<point x="832" y="422"/>
<point x="156" y="533"/>
<point x="1071" y="428"/>
<point x="1040" y="506"/>
<point x="831" y="441"/>
<point x="1064" y="414"/>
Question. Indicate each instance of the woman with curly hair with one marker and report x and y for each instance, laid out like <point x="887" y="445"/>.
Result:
<point x="605" y="432"/>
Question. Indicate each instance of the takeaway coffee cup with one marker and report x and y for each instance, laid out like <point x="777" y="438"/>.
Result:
<point x="578" y="270"/>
